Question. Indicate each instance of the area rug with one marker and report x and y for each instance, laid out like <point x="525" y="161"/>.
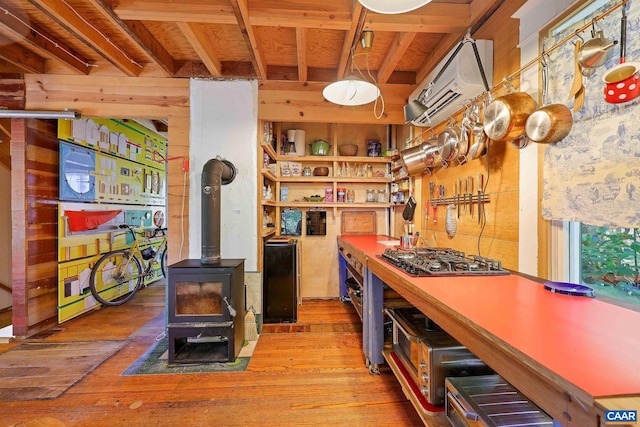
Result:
<point x="38" y="370"/>
<point x="155" y="361"/>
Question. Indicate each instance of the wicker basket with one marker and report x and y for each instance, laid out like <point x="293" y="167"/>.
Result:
<point x="348" y="150"/>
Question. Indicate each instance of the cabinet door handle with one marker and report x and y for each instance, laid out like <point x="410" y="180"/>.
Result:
<point x="460" y="407"/>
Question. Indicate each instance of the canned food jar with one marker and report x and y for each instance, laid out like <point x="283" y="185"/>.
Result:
<point x="342" y="195"/>
<point x="382" y="196"/>
<point x="371" y="195"/>
<point x="374" y="148"/>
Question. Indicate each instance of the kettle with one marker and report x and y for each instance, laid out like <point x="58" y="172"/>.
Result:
<point x="595" y="52"/>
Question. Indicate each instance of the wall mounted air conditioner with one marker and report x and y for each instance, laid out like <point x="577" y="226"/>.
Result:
<point x="461" y="81"/>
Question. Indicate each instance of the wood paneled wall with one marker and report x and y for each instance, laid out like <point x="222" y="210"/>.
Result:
<point x="34" y="248"/>
<point x="497" y="239"/>
<point x="34" y="209"/>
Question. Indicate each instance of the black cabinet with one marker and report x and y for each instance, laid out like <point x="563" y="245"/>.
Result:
<point x="280" y="281"/>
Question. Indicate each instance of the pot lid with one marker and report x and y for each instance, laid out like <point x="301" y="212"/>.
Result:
<point x="570" y="289"/>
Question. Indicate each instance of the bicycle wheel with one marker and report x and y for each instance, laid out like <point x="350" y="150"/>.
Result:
<point x="115" y="278"/>
<point x="163" y="263"/>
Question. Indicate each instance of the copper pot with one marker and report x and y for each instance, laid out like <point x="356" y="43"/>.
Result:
<point x="549" y="124"/>
<point x="505" y="117"/>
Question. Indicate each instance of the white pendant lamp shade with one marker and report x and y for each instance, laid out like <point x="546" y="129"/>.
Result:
<point x="393" y="6"/>
<point x="351" y="91"/>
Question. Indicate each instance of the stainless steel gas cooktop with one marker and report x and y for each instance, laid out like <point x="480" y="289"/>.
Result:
<point x="441" y="262"/>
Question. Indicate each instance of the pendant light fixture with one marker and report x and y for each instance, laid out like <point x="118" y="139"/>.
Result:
<point x="353" y="90"/>
<point x="390" y="7"/>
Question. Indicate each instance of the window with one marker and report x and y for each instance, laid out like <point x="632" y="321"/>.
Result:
<point x="608" y="261"/>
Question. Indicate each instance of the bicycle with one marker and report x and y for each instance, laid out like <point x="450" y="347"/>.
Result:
<point x="119" y="274"/>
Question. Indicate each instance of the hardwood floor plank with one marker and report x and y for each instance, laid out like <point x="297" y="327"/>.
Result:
<point x="313" y="378"/>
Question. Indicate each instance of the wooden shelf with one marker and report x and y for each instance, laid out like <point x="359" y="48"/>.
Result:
<point x="267" y="173"/>
<point x="356" y="301"/>
<point x="311" y="179"/>
<point x="333" y="204"/>
<point x="268" y="231"/>
<point x="269" y="150"/>
<point x="348" y="159"/>
<point x="427" y="416"/>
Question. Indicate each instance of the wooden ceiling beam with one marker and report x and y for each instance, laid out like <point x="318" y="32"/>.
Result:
<point x="432" y="18"/>
<point x="396" y="51"/>
<point x="21" y="57"/>
<point x="301" y="49"/>
<point x="44" y="44"/>
<point x="138" y="34"/>
<point x="202" y="45"/>
<point x="212" y="11"/>
<point x="69" y="18"/>
<point x="351" y="38"/>
<point x="241" y="10"/>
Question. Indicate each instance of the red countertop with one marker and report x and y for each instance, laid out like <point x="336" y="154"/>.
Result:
<point x="590" y="343"/>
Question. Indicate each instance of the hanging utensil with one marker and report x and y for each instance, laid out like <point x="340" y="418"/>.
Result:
<point x="595" y="52"/>
<point x="577" y="88"/>
<point x="450" y="224"/>
<point x="552" y="122"/>
<point x="505" y="117"/>
<point x="622" y="82"/>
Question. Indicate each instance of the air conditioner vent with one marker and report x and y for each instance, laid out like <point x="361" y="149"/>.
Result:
<point x="461" y="80"/>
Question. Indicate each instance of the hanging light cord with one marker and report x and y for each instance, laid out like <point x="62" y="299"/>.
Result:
<point x="44" y="36"/>
<point x="373" y="79"/>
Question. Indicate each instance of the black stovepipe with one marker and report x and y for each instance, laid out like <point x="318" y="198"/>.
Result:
<point x="215" y="173"/>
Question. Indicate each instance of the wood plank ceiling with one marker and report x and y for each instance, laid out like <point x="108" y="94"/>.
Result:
<point x="285" y="40"/>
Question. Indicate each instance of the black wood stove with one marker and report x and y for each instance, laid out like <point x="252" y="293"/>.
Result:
<point x="206" y="305"/>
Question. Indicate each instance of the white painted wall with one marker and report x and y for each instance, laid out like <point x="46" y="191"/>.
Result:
<point x="224" y="122"/>
<point x="5" y="231"/>
<point x="533" y="15"/>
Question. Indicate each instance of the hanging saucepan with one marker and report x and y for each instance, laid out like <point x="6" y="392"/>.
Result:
<point x="448" y="143"/>
<point x="432" y="152"/>
<point x="622" y="82"/>
<point x="414" y="160"/>
<point x="506" y="116"/>
<point x="551" y="122"/>
<point x="477" y="137"/>
<point x="463" y="142"/>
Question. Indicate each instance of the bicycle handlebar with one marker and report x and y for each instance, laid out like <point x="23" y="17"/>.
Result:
<point x="130" y="228"/>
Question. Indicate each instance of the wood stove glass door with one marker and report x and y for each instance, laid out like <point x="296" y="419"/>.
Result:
<point x="200" y="298"/>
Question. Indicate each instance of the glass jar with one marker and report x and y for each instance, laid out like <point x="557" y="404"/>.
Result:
<point x="382" y="196"/>
<point x="371" y="195"/>
<point x="351" y="196"/>
<point x="306" y="171"/>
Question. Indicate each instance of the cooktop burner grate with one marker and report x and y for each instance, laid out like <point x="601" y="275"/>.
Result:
<point x="441" y="262"/>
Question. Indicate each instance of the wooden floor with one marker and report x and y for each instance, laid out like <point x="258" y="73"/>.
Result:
<point x="312" y="378"/>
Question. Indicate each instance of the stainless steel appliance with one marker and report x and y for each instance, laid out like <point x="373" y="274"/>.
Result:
<point x="490" y="401"/>
<point x="430" y="354"/>
<point x="281" y="281"/>
<point x="440" y="262"/>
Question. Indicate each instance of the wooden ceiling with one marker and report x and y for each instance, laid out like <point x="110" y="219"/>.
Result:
<point x="284" y="40"/>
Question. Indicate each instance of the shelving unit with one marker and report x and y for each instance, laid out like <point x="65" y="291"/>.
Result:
<point x="358" y="173"/>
